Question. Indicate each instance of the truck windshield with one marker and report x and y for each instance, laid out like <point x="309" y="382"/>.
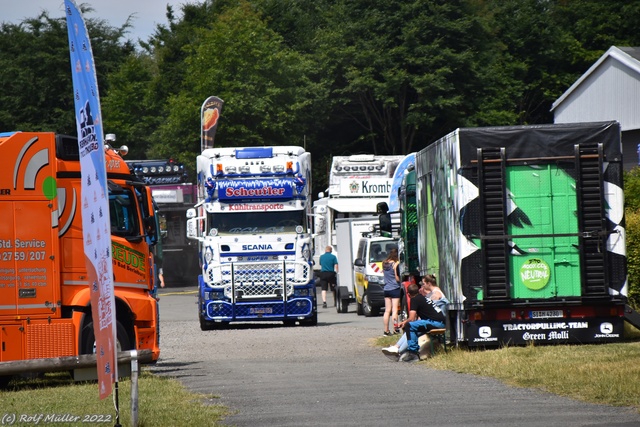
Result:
<point x="257" y="223"/>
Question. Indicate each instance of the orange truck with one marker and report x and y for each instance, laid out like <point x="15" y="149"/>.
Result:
<point x="45" y="304"/>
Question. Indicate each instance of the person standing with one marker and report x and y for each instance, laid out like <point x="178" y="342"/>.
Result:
<point x="391" y="289"/>
<point x="328" y="270"/>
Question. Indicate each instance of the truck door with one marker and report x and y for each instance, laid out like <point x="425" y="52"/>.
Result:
<point x="359" y="271"/>
<point x="28" y="274"/>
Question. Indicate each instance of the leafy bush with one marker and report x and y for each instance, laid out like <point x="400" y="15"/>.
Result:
<point x="633" y="256"/>
<point x="632" y="217"/>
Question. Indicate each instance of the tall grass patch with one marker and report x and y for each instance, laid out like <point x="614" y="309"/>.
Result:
<point x="161" y="401"/>
<point x="605" y="373"/>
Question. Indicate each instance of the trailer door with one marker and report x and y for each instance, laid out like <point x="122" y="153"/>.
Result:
<point x="542" y="206"/>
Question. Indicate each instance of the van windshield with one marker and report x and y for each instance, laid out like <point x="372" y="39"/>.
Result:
<point x="379" y="249"/>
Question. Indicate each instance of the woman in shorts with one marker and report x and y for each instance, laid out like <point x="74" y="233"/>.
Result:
<point x="391" y="289"/>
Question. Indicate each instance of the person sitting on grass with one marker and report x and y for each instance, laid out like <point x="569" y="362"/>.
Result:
<point x="423" y="316"/>
<point x="429" y="290"/>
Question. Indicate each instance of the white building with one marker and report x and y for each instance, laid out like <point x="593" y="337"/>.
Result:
<point x="609" y="90"/>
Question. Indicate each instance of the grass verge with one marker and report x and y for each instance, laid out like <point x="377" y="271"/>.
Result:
<point x="161" y="402"/>
<point x="603" y="373"/>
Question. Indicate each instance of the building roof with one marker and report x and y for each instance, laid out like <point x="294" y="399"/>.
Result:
<point x="628" y="56"/>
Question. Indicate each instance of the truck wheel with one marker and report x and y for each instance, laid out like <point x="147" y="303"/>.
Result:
<point x="312" y="321"/>
<point x="207" y="325"/>
<point x="342" y="305"/>
<point x="367" y="308"/>
<point x="89" y="338"/>
<point x="4" y="381"/>
<point x="342" y="299"/>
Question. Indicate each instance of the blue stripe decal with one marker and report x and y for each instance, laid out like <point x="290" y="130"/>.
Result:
<point x="256" y="253"/>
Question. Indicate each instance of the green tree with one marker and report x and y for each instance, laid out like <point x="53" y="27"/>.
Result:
<point x="130" y="109"/>
<point x="37" y="92"/>
<point x="404" y="72"/>
<point x="267" y="95"/>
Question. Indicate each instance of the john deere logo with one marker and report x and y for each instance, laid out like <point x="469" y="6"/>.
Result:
<point x="535" y="273"/>
<point x="354" y="186"/>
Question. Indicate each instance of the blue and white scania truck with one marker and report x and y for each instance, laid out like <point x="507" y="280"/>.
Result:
<point x="252" y="225"/>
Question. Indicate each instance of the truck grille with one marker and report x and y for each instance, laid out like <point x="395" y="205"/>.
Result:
<point x="259" y="279"/>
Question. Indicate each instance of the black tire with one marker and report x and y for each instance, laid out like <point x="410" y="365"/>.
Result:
<point x="207" y="325"/>
<point x="359" y="309"/>
<point x="89" y="339"/>
<point x="342" y="303"/>
<point x="367" y="308"/>
<point x="375" y="310"/>
<point x="4" y="381"/>
<point x="312" y="321"/>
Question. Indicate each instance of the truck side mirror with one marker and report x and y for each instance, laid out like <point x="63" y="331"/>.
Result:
<point x="358" y="262"/>
<point x="193" y="225"/>
<point x="192" y="230"/>
<point x="150" y="228"/>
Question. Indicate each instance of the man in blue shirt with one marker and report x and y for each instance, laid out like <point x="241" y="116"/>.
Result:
<point x="328" y="270"/>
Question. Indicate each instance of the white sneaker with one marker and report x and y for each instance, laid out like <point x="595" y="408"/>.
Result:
<point x="391" y="352"/>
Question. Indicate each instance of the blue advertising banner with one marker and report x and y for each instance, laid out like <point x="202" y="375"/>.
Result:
<point x="95" y="206"/>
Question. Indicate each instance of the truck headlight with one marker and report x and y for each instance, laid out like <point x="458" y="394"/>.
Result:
<point x="374" y="279"/>
<point x="301" y="292"/>
<point x="208" y="255"/>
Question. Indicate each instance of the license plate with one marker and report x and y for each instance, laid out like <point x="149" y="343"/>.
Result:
<point x="546" y="314"/>
<point x="266" y="310"/>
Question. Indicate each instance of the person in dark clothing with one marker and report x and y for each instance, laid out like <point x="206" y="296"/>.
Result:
<point x="424" y="315"/>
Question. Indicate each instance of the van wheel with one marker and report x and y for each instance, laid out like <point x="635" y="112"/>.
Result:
<point x="367" y="309"/>
<point x="89" y="339"/>
<point x="359" y="309"/>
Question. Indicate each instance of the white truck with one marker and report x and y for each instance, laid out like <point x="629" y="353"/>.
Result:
<point x="252" y="225"/>
<point x="357" y="184"/>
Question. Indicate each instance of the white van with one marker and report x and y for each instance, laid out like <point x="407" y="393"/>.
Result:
<point x="369" y="279"/>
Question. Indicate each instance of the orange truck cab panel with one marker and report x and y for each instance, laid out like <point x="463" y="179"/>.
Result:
<point x="44" y="290"/>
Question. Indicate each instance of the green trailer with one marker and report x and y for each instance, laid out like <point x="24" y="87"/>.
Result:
<point x="524" y="228"/>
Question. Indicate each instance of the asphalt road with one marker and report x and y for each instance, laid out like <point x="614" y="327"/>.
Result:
<point x="331" y="375"/>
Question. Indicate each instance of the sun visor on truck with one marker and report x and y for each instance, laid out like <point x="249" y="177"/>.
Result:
<point x="355" y="205"/>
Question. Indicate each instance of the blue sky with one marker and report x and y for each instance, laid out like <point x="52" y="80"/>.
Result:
<point x="147" y="13"/>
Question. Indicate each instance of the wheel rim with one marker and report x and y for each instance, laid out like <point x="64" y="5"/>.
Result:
<point x="365" y="303"/>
